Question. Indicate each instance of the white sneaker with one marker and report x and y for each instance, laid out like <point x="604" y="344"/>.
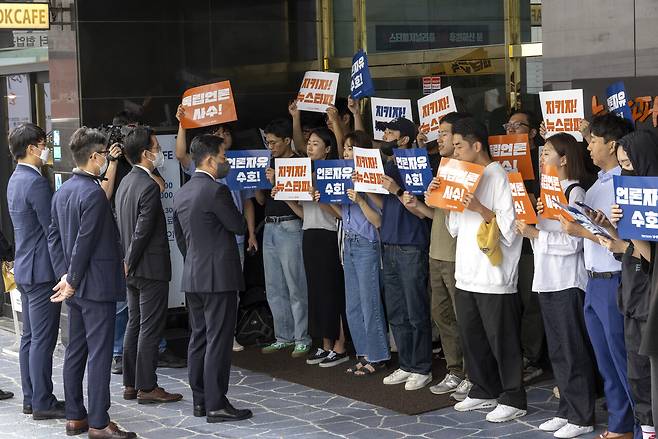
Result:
<point x="449" y="384"/>
<point x="397" y="377"/>
<point x="237" y="347"/>
<point x="572" y="430"/>
<point x="417" y="381"/>
<point x="469" y="404"/>
<point x="553" y="424"/>
<point x="504" y="413"/>
<point x="462" y="390"/>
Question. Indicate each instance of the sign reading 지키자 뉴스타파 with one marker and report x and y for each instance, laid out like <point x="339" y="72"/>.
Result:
<point x="333" y="179"/>
<point x="562" y="111"/>
<point x="431" y="110"/>
<point x="638" y="199"/>
<point x="318" y="91"/>
<point x="512" y="151"/>
<point x="369" y="171"/>
<point x="293" y="178"/>
<point x="385" y="110"/>
<point x="457" y="178"/>
<point x="248" y="169"/>
<point x="209" y="104"/>
<point x="415" y="169"/>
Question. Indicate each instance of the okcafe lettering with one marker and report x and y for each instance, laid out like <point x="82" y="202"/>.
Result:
<point x="414" y="168"/>
<point x="432" y="108"/>
<point x="369" y="171"/>
<point x="522" y="205"/>
<point x="293" y="179"/>
<point x="457" y="178"/>
<point x="563" y="110"/>
<point x="513" y="153"/>
<point x="318" y="91"/>
<point x="333" y="178"/>
<point x="24" y="16"/>
<point x="638" y="199"/>
<point x="248" y="169"/>
<point x="208" y="105"/>
<point x="551" y="193"/>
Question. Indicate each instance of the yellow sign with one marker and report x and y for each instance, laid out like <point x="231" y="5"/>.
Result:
<point x="24" y="16"/>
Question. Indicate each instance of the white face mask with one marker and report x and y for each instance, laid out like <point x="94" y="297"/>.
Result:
<point x="159" y="159"/>
<point x="44" y="155"/>
<point x="103" y="168"/>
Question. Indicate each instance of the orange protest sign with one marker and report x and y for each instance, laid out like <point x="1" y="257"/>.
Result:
<point x="522" y="204"/>
<point x="457" y="178"/>
<point x="551" y="193"/>
<point x="513" y="153"/>
<point x="209" y="104"/>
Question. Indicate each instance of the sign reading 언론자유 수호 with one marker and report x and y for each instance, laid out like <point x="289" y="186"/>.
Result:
<point x="248" y="169"/>
<point x="333" y="179"/>
<point x="638" y="199"/>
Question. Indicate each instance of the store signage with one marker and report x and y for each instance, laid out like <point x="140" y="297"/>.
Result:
<point x="24" y="16"/>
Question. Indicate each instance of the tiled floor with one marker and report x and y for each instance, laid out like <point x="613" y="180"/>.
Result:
<point x="281" y="410"/>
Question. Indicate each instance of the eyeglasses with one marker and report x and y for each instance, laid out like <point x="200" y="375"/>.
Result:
<point x="514" y="125"/>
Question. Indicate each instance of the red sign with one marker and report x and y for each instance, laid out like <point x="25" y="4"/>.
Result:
<point x="551" y="194"/>
<point x="513" y="153"/>
<point x="522" y="204"/>
<point x="210" y="104"/>
<point x="457" y="178"/>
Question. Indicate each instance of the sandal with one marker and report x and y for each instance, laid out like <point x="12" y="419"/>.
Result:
<point x="372" y="370"/>
<point x="358" y="366"/>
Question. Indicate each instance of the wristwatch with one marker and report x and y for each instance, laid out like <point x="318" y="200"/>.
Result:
<point x="400" y="192"/>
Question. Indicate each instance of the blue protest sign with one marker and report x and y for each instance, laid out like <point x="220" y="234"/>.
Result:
<point x="637" y="197"/>
<point x="617" y="102"/>
<point x="415" y="170"/>
<point x="248" y="169"/>
<point x="333" y="179"/>
<point x="361" y="85"/>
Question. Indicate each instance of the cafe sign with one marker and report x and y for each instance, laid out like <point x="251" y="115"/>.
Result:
<point x="24" y="16"/>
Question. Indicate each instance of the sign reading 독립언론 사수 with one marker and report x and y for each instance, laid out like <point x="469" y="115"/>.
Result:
<point x="457" y="178"/>
<point x="361" y="85"/>
<point x="248" y="169"/>
<point x="318" y="91"/>
<point x="33" y="16"/>
<point x="385" y="110"/>
<point x="562" y="111"/>
<point x="522" y="204"/>
<point x="638" y="199"/>
<point x="512" y="151"/>
<point x="369" y="170"/>
<point x="431" y="110"/>
<point x="415" y="169"/>
<point x="551" y="194"/>
<point x="294" y="179"/>
<point x="209" y="104"/>
<point x="333" y="179"/>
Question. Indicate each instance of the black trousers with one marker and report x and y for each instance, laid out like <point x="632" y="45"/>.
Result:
<point x="639" y="370"/>
<point x="532" y="328"/>
<point x="91" y="331"/>
<point x="147" y="312"/>
<point x="212" y="325"/>
<point x="489" y="326"/>
<point x="571" y="354"/>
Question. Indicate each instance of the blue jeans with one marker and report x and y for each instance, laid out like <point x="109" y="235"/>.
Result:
<point x="285" y="281"/>
<point x="365" y="312"/>
<point x="120" y="330"/>
<point x="408" y="305"/>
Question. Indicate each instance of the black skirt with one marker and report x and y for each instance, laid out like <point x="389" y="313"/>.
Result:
<point x="326" y="285"/>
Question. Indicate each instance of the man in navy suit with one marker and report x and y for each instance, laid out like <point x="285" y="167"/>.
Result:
<point x="206" y="222"/>
<point x="28" y="196"/>
<point x="87" y="258"/>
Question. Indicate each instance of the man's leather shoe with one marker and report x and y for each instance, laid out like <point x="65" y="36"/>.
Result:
<point x="157" y="396"/>
<point x="117" y="365"/>
<point x="53" y="413"/>
<point x="75" y="427"/>
<point x="129" y="393"/>
<point x="228" y="413"/>
<point x="168" y="359"/>
<point x="5" y="395"/>
<point x="110" y="432"/>
<point x="199" y="411"/>
<point x="27" y="409"/>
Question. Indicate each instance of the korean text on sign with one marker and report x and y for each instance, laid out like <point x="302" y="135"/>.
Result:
<point x="318" y="91"/>
<point x="333" y="179"/>
<point x="617" y="102"/>
<point x="415" y="170"/>
<point x="431" y="110"/>
<point x="385" y="110"/>
<point x="361" y="84"/>
<point x="552" y="194"/>
<point x="208" y="105"/>
<point x="457" y="178"/>
<point x="513" y="153"/>
<point x="522" y="204"/>
<point x="369" y="171"/>
<point x="293" y="178"/>
<point x="562" y="111"/>
<point x="638" y="199"/>
<point x="248" y="169"/>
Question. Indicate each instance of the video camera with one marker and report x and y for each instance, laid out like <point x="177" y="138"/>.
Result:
<point x="115" y="133"/>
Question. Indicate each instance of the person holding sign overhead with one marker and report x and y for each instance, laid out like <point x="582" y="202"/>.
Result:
<point x="405" y="236"/>
<point x="560" y="279"/>
<point x="486" y="272"/>
<point x="605" y="323"/>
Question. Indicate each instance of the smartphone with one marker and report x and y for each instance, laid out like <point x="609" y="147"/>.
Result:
<point x="586" y="207"/>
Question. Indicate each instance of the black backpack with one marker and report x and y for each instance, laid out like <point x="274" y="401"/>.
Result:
<point x="255" y="323"/>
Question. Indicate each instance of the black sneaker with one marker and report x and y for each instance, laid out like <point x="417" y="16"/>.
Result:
<point x="317" y="357"/>
<point x="117" y="365"/>
<point x="334" y="359"/>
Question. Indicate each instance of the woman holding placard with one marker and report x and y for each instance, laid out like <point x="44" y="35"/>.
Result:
<point x="560" y="279"/>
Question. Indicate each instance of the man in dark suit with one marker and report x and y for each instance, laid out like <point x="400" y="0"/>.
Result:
<point x="141" y="221"/>
<point x="86" y="254"/>
<point x="206" y="222"/>
<point x="28" y="196"/>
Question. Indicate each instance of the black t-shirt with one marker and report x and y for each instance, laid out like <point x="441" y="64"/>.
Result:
<point x="633" y="295"/>
<point x="276" y="207"/>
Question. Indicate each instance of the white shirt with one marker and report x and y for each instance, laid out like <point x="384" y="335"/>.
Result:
<point x="204" y="172"/>
<point x="601" y="196"/>
<point x="31" y="166"/>
<point x="559" y="261"/>
<point x="145" y="169"/>
<point x="473" y="271"/>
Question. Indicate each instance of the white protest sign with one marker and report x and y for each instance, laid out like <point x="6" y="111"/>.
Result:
<point x="562" y="111"/>
<point x="385" y="110"/>
<point x="369" y="171"/>
<point x="318" y="91"/>
<point x="432" y="108"/>
<point x="293" y="179"/>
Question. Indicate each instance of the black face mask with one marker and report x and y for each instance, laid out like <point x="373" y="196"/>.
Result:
<point x="628" y="173"/>
<point x="387" y="147"/>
